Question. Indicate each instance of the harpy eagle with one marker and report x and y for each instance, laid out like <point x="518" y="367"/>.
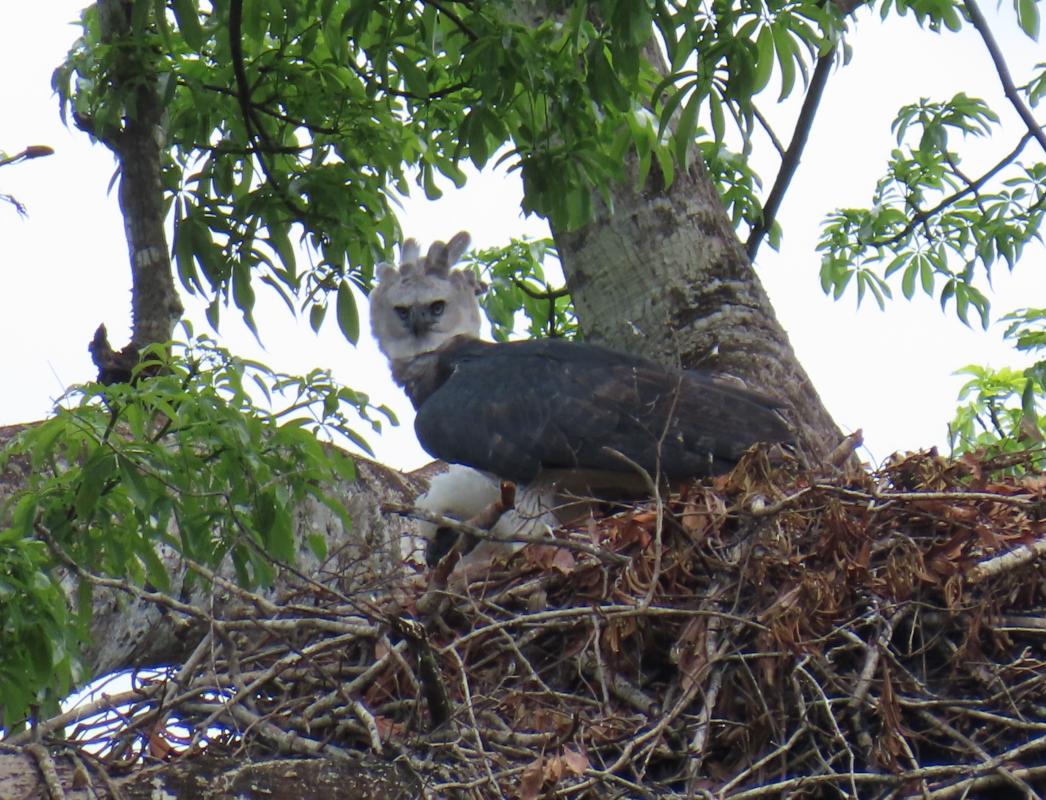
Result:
<point x="560" y="418"/>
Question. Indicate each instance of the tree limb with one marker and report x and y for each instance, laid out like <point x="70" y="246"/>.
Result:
<point x="792" y="156"/>
<point x="981" y="24"/>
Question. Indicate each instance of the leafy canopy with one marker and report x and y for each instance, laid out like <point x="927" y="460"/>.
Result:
<point x="185" y="461"/>
<point x="305" y="119"/>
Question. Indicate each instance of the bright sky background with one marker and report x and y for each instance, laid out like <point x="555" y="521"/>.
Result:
<point x="64" y="269"/>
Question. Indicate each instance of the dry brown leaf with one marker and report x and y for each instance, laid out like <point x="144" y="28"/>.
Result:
<point x="563" y="561"/>
<point x="548" y="720"/>
<point x="388" y="728"/>
<point x="531" y="779"/>
<point x="575" y="761"/>
<point x="554" y="769"/>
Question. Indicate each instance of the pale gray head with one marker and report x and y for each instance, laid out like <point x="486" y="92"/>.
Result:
<point x="421" y="305"/>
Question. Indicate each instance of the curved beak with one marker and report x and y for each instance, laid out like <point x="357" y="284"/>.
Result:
<point x="419" y="321"/>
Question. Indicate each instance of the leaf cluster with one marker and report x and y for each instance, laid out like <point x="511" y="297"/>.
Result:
<point x="721" y="57"/>
<point x="933" y="226"/>
<point x="186" y="462"/>
<point x="518" y="288"/>
<point x="305" y="120"/>
<point x="1002" y="408"/>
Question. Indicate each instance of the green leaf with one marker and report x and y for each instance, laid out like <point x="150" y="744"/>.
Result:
<point x="1028" y="17"/>
<point x="908" y="280"/>
<point x="155" y="572"/>
<point x="686" y="129"/>
<point x="281" y="243"/>
<point x="318" y="545"/>
<point x="187" y="15"/>
<point x="99" y="467"/>
<point x="135" y="484"/>
<point x="281" y="535"/>
<point x="715" y="104"/>
<point x="478" y="151"/>
<point x="38" y="647"/>
<point x="432" y="191"/>
<point x="348" y="316"/>
<point x="898" y="261"/>
<point x="213" y="313"/>
<point x="243" y="293"/>
<point x="414" y="79"/>
<point x="317" y="312"/>
<point x="764" y="64"/>
<point x="188" y="275"/>
<point x="786" y="56"/>
<point x="674" y="100"/>
<point x="926" y="275"/>
<point x="344" y="467"/>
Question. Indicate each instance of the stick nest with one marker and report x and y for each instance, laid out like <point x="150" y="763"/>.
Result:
<point x="767" y="633"/>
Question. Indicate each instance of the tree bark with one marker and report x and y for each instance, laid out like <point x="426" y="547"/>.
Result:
<point x="661" y="272"/>
<point x="664" y="275"/>
<point x="138" y="146"/>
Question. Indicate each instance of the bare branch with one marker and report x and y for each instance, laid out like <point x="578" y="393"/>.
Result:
<point x="981" y="24"/>
<point x="790" y="162"/>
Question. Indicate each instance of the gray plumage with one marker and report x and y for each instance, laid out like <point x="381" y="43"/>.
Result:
<point x="418" y="307"/>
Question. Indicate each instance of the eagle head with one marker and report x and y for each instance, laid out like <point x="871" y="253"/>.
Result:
<point x="416" y="308"/>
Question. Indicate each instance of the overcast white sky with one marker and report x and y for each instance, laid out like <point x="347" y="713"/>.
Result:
<point x="64" y="269"/>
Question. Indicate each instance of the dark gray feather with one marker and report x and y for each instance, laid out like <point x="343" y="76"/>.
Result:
<point x="520" y="408"/>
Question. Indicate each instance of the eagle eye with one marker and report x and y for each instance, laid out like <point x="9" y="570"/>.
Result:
<point x="403" y="312"/>
<point x="437" y="308"/>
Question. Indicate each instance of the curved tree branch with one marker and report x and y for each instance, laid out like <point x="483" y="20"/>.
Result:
<point x="981" y="24"/>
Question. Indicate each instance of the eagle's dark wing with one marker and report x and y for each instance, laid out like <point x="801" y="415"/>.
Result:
<point x="519" y="408"/>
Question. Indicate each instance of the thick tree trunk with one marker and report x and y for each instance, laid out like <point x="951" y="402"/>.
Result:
<point x="665" y="275"/>
<point x="138" y="146"/>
